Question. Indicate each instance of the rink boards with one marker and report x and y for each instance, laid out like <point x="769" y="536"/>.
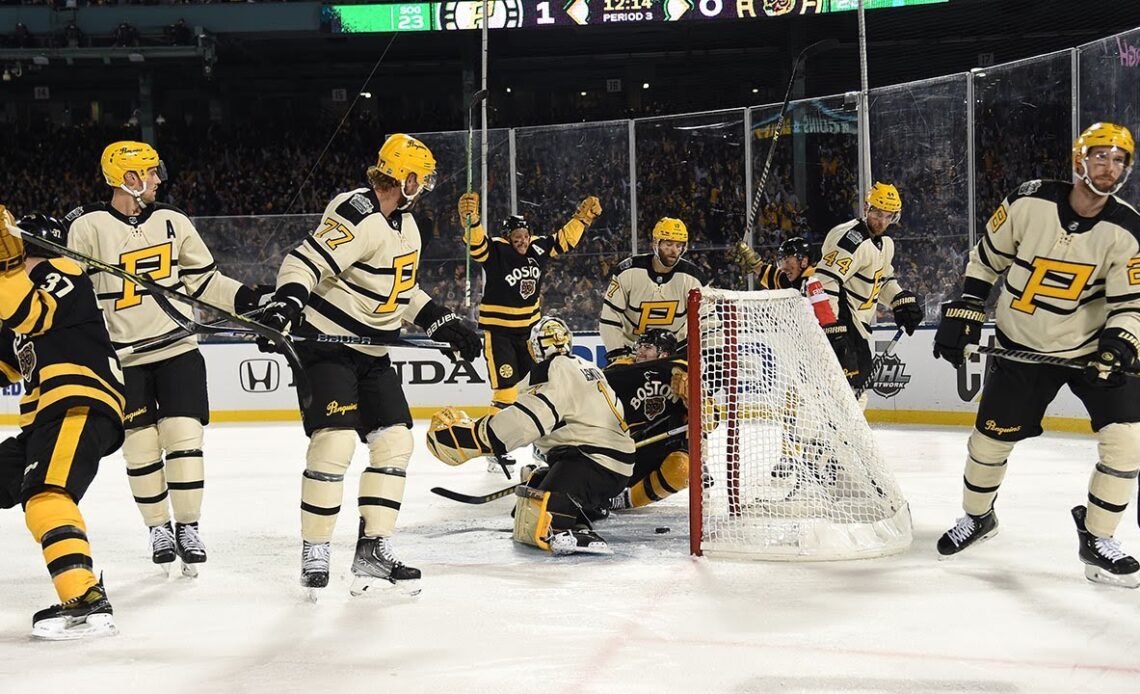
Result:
<point x="912" y="388"/>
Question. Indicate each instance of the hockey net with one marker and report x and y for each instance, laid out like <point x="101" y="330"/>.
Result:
<point x="788" y="468"/>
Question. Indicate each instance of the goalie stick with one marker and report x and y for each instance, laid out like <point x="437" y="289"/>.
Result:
<point x="507" y="491"/>
<point x="813" y="49"/>
<point x="279" y="339"/>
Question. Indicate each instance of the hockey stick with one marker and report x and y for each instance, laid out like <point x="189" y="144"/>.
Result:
<point x="1027" y="357"/>
<point x="813" y="49"/>
<point x="476" y="99"/>
<point x="877" y="364"/>
<point x="279" y="339"/>
<point x="507" y="491"/>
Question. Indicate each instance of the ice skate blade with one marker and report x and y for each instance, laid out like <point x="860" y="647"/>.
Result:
<point x="312" y="594"/>
<point x="67" y="629"/>
<point x="1096" y="574"/>
<point x="980" y="540"/>
<point x="189" y="570"/>
<point x="599" y="548"/>
<point x="371" y="585"/>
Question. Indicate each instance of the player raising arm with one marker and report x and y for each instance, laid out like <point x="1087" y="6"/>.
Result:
<point x="1071" y="255"/>
<point x="71" y="416"/>
<point x="571" y="415"/>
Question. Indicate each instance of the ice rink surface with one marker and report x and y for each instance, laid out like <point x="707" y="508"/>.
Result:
<point x="1015" y="614"/>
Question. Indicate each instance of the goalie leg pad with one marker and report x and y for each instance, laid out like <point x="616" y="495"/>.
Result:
<point x="382" y="484"/>
<point x="532" y="520"/>
<point x="56" y="523"/>
<point x="146" y="474"/>
<point x="669" y="478"/>
<point x="322" y="483"/>
<point x="1113" y="478"/>
<point x="985" y="470"/>
<point x="454" y="438"/>
<point x="181" y="438"/>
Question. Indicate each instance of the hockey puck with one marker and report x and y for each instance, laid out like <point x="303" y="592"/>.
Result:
<point x="661" y="531"/>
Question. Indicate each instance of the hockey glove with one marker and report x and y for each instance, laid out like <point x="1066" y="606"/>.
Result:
<point x="908" y="314"/>
<point x="961" y="326"/>
<point x="249" y="299"/>
<point x="11" y="247"/>
<point x="283" y="313"/>
<point x="1117" y="352"/>
<point x="745" y="257"/>
<point x="841" y="345"/>
<point x="454" y="331"/>
<point x="588" y="210"/>
<point x="679" y="384"/>
<point x="454" y="438"/>
<point x="469" y="205"/>
<point x="619" y="357"/>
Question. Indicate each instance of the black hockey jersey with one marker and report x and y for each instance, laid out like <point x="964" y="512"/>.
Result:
<point x="513" y="282"/>
<point x="650" y="406"/>
<point x="54" y="338"/>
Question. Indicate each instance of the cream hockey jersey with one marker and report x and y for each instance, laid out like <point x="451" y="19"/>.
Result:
<point x="359" y="269"/>
<point x="857" y="272"/>
<point x="1067" y="277"/>
<point x="640" y="298"/>
<point x="567" y="402"/>
<point x="160" y="242"/>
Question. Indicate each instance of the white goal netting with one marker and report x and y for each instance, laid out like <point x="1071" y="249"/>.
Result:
<point x="788" y="467"/>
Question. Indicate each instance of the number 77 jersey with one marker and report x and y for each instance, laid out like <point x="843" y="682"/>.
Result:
<point x="1067" y="277"/>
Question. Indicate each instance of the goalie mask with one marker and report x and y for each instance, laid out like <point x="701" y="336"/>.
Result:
<point x="125" y="156"/>
<point x="402" y="155"/>
<point x="44" y="227"/>
<point x="663" y="341"/>
<point x="1117" y="138"/>
<point x="549" y="337"/>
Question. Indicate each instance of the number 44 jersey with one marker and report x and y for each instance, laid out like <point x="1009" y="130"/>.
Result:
<point x="1068" y="276"/>
<point x="160" y="242"/>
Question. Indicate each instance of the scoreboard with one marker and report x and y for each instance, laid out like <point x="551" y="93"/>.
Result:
<point x="515" y="14"/>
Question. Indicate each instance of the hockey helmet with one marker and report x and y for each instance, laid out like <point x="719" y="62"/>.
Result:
<point x="123" y="156"/>
<point x="515" y="221"/>
<point x="44" y="227"/>
<point x="402" y="155"/>
<point x="885" y="197"/>
<point x="549" y="336"/>
<point x="1104" y="135"/>
<point x="670" y="229"/>
<point x="799" y="247"/>
<point x="663" y="340"/>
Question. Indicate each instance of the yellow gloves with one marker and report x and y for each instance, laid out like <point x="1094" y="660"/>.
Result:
<point x="588" y="210"/>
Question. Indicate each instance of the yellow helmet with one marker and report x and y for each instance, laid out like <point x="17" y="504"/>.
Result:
<point x="120" y="157"/>
<point x="548" y="337"/>
<point x="1104" y="135"/>
<point x="670" y="229"/>
<point x="401" y="155"/>
<point x="885" y="197"/>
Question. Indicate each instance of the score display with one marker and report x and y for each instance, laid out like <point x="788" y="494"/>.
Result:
<point x="513" y="14"/>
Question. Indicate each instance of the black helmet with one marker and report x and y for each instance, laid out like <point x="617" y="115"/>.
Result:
<point x="44" y="227"/>
<point x="799" y="247"/>
<point x="515" y="221"/>
<point x="663" y="340"/>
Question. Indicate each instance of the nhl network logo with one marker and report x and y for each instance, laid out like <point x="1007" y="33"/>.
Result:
<point x="259" y="375"/>
<point x="891" y="377"/>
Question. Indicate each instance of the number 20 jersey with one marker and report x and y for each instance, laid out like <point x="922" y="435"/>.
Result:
<point x="1068" y="276"/>
<point x="160" y="242"/>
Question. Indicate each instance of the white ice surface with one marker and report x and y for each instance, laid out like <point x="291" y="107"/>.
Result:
<point x="1014" y="614"/>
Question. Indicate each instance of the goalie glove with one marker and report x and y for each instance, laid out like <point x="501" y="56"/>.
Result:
<point x="745" y="257"/>
<point x="908" y="314"/>
<point x="679" y="384"/>
<point x="11" y="247"/>
<point x="588" y="210"/>
<point x="454" y="438"/>
<point x="961" y="326"/>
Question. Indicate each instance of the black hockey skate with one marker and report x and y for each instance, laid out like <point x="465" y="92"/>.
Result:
<point x="969" y="530"/>
<point x="88" y="615"/>
<point x="189" y="546"/>
<point x="375" y="568"/>
<point x="578" y="541"/>
<point x="1105" y="562"/>
<point x="162" y="545"/>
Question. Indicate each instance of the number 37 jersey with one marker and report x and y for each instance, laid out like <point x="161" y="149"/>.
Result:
<point x="1068" y="276"/>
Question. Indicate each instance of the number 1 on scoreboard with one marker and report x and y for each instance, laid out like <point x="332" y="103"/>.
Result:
<point x="544" y="13"/>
